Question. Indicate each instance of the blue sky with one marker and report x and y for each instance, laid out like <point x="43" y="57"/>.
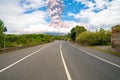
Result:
<point x="35" y="16"/>
<point x="72" y="7"/>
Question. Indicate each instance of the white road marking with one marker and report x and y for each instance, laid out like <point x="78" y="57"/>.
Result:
<point x="103" y="60"/>
<point x="98" y="57"/>
<point x="2" y="70"/>
<point x="64" y="63"/>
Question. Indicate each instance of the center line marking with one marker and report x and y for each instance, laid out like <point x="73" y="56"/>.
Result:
<point x="64" y="63"/>
<point x="22" y="59"/>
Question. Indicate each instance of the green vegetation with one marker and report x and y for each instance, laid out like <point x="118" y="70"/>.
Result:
<point x="73" y="34"/>
<point x="59" y="37"/>
<point x="1" y="34"/>
<point x="22" y="40"/>
<point x="100" y="37"/>
<point x="117" y="27"/>
<point x="82" y="36"/>
<point x="27" y="40"/>
<point x="76" y="31"/>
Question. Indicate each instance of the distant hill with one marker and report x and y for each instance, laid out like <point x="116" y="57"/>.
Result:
<point x="55" y="33"/>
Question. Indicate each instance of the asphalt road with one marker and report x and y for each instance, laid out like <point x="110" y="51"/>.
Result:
<point x="59" y="60"/>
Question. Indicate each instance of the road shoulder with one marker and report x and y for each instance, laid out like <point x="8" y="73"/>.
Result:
<point x="99" y="53"/>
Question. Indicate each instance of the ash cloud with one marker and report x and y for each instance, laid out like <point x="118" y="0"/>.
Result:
<point x="55" y="9"/>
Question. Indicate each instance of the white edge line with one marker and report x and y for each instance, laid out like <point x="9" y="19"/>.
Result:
<point x="2" y="70"/>
<point x="64" y="63"/>
<point x="98" y="57"/>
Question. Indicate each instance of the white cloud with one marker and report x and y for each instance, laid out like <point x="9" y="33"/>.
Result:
<point x="17" y="22"/>
<point x="11" y="13"/>
<point x="72" y="24"/>
<point x="24" y="21"/>
<point x="13" y="17"/>
<point x="106" y="17"/>
<point x="97" y="4"/>
<point x="87" y="14"/>
<point x="101" y="4"/>
<point x="109" y="16"/>
<point x="33" y="4"/>
<point x="41" y="28"/>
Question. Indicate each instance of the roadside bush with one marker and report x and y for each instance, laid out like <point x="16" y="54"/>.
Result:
<point x="86" y="38"/>
<point x="100" y="37"/>
<point x="27" y="40"/>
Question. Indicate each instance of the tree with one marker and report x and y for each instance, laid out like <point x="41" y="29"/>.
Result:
<point x="77" y="30"/>
<point x="73" y="34"/>
<point x="1" y="34"/>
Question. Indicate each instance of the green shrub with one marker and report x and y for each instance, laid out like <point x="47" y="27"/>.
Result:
<point x="100" y="37"/>
<point x="117" y="27"/>
<point x="27" y="39"/>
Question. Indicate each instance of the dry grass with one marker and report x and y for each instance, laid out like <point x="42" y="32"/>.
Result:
<point x="107" y="49"/>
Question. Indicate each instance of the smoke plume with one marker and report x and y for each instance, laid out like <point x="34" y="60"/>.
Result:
<point x="55" y="9"/>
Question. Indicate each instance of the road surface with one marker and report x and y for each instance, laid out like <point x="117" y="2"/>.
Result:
<point x="59" y="60"/>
